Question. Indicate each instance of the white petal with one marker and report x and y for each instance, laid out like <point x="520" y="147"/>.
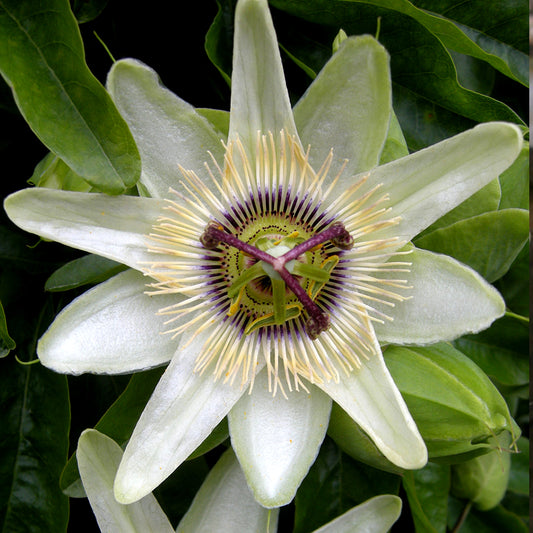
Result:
<point x="259" y="97"/>
<point x="347" y="108"/>
<point x="372" y="400"/>
<point x="447" y="300"/>
<point x="277" y="439"/>
<point x="376" y="515"/>
<point x="225" y="504"/>
<point x="111" y="329"/>
<point x="427" y="184"/>
<point x="98" y="459"/>
<point x="111" y="226"/>
<point x="168" y="131"/>
<point x="183" y="410"/>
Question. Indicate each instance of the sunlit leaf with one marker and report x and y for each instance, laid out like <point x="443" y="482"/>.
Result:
<point x="42" y="60"/>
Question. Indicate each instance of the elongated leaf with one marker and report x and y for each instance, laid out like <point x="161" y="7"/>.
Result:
<point x="427" y="492"/>
<point x="34" y="417"/>
<point x="515" y="182"/>
<point x="221" y="31"/>
<point x="89" y="269"/>
<point x="503" y="57"/>
<point x="501" y="351"/>
<point x="54" y="173"/>
<point x="505" y="21"/>
<point x="488" y="243"/>
<point x="42" y="60"/>
<point x="430" y="103"/>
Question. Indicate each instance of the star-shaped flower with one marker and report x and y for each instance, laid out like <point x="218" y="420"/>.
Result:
<point x="273" y="270"/>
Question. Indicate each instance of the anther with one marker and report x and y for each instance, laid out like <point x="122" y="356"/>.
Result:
<point x="210" y="238"/>
<point x="343" y="240"/>
<point x="316" y="324"/>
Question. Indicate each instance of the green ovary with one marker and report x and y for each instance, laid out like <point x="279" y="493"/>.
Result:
<point x="256" y="289"/>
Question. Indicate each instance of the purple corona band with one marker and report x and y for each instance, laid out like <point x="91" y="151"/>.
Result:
<point x="318" y="321"/>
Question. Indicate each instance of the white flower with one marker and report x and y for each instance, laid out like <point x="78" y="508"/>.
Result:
<point x="313" y="319"/>
<point x="223" y="503"/>
<point x="98" y="458"/>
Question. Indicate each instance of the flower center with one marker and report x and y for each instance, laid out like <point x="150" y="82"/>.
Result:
<point x="282" y="261"/>
<point x="271" y="264"/>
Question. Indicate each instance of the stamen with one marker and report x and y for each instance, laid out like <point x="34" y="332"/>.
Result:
<point x="210" y="238"/>
<point x="315" y="325"/>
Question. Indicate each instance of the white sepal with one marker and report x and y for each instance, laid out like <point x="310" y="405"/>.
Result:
<point x="277" y="439"/>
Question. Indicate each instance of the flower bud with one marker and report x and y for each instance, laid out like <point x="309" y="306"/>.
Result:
<point x="455" y="405"/>
<point x="484" y="480"/>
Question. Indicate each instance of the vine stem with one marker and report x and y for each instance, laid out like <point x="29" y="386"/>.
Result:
<point x="462" y="518"/>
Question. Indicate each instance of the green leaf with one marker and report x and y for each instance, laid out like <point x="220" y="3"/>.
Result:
<point x="505" y="21"/>
<point x="430" y="103"/>
<point x="488" y="243"/>
<point x="86" y="10"/>
<point x="42" y="60"/>
<point x="473" y="73"/>
<point x="514" y="286"/>
<point x="515" y="182"/>
<point x="334" y="484"/>
<point x="219" y="38"/>
<point x="89" y="269"/>
<point x="427" y="492"/>
<point x="54" y="173"/>
<point x="6" y="342"/>
<point x="463" y="39"/>
<point x="501" y="351"/>
<point x="218" y="118"/>
<point x="34" y="417"/>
